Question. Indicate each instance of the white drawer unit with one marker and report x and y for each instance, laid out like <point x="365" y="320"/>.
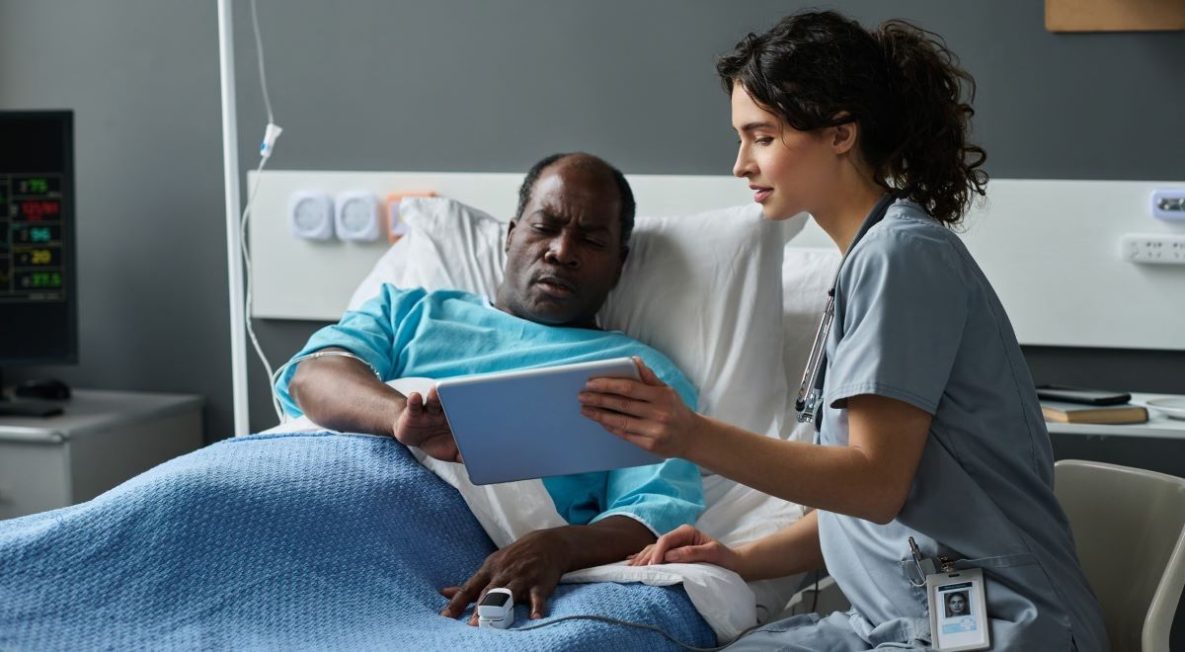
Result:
<point x="101" y="439"/>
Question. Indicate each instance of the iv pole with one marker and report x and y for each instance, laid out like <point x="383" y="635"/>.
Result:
<point x="234" y="260"/>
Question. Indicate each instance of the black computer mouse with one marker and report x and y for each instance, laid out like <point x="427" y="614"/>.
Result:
<point x="43" y="388"/>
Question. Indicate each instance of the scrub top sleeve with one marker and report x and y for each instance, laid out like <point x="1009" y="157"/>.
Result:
<point x="904" y="308"/>
<point x="372" y="332"/>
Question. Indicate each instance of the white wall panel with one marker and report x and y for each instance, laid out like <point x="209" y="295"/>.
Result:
<point x="1050" y="248"/>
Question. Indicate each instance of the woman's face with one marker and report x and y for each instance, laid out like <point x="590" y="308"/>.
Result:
<point x="788" y="170"/>
<point x="958" y="605"/>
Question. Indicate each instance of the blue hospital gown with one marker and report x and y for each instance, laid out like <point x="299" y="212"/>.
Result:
<point x="917" y="321"/>
<point x="441" y="334"/>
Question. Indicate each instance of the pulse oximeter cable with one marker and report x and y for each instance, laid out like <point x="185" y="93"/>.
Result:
<point x="628" y="623"/>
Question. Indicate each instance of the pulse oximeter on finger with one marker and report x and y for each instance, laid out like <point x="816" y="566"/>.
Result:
<point x="496" y="609"/>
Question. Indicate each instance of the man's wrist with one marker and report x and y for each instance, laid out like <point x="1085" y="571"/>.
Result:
<point x="558" y="544"/>
<point x="398" y="405"/>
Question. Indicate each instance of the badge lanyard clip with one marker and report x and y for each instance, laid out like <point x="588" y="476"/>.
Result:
<point x="921" y="565"/>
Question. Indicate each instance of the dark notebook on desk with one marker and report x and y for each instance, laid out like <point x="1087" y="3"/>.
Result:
<point x="1105" y="414"/>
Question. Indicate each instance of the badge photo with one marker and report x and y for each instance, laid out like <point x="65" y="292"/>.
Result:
<point x="958" y="611"/>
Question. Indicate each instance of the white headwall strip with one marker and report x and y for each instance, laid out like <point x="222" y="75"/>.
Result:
<point x="1051" y="248"/>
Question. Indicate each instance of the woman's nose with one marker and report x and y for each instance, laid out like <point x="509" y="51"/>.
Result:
<point x="743" y="167"/>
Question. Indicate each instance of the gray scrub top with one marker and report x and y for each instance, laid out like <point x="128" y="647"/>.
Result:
<point x="917" y="321"/>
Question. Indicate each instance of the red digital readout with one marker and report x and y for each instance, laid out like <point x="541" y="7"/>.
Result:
<point x="37" y="210"/>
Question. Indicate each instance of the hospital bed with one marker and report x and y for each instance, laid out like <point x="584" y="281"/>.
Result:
<point x="299" y="538"/>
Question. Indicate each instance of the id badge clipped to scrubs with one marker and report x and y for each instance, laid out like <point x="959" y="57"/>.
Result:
<point x="958" y="610"/>
<point x="957" y="605"/>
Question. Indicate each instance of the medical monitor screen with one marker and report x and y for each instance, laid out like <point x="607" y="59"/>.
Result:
<point x="38" y="295"/>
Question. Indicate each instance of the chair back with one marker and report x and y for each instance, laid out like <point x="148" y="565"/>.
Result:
<point x="1129" y="526"/>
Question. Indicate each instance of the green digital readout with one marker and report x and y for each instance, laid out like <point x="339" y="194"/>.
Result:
<point x="35" y="185"/>
<point x="39" y="280"/>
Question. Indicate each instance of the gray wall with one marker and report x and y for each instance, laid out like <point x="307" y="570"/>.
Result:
<point x="142" y="78"/>
<point x="490" y="86"/>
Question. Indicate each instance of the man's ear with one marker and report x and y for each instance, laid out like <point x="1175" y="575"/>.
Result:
<point x="509" y="232"/>
<point x="625" y="252"/>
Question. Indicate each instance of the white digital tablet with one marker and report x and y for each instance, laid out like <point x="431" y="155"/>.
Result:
<point x="527" y="424"/>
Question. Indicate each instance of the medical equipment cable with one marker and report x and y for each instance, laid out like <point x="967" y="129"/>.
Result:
<point x="247" y="265"/>
<point x="628" y="623"/>
<point x="266" y="147"/>
<point x="267" y="102"/>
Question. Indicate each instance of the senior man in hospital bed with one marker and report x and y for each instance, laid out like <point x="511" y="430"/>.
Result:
<point x="565" y="250"/>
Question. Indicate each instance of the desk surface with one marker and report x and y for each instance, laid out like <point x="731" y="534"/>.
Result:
<point x="1158" y="425"/>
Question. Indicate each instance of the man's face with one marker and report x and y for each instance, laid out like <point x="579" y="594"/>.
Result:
<point x="564" y="253"/>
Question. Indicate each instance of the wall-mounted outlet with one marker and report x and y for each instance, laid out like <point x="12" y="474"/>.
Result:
<point x="1154" y="248"/>
<point x="1169" y="203"/>
<point x="359" y="215"/>
<point x="310" y="215"/>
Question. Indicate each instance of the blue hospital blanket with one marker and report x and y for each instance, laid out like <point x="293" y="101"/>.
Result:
<point x="293" y="541"/>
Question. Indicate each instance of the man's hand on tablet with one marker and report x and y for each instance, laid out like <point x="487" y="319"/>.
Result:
<point x="421" y="423"/>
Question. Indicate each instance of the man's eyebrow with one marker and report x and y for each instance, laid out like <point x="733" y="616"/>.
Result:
<point x="546" y="214"/>
<point x="555" y="217"/>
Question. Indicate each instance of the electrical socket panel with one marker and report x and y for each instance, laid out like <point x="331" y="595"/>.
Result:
<point x="1154" y="248"/>
<point x="310" y="215"/>
<point x="1168" y="204"/>
<point x="359" y="216"/>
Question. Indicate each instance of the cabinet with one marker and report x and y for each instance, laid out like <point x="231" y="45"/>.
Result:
<point x="101" y="439"/>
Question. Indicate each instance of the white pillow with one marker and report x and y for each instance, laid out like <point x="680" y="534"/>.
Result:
<point x="448" y="246"/>
<point x="704" y="289"/>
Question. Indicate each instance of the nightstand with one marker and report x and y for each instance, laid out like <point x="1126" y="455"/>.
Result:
<point x="101" y="439"/>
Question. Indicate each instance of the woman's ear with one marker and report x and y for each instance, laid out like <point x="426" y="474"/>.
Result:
<point x="843" y="137"/>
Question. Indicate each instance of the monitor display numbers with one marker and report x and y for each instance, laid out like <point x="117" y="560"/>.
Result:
<point x="31" y="261"/>
<point x="23" y="234"/>
<point x="37" y="210"/>
<point x="37" y="280"/>
<point x="37" y="257"/>
<point x="37" y="186"/>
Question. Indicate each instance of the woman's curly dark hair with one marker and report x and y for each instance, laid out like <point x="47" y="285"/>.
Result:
<point x="900" y="83"/>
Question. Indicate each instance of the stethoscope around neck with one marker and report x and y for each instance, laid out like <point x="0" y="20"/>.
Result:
<point x="809" y="401"/>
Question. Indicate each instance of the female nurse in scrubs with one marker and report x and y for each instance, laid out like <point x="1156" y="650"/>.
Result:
<point x="928" y="423"/>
